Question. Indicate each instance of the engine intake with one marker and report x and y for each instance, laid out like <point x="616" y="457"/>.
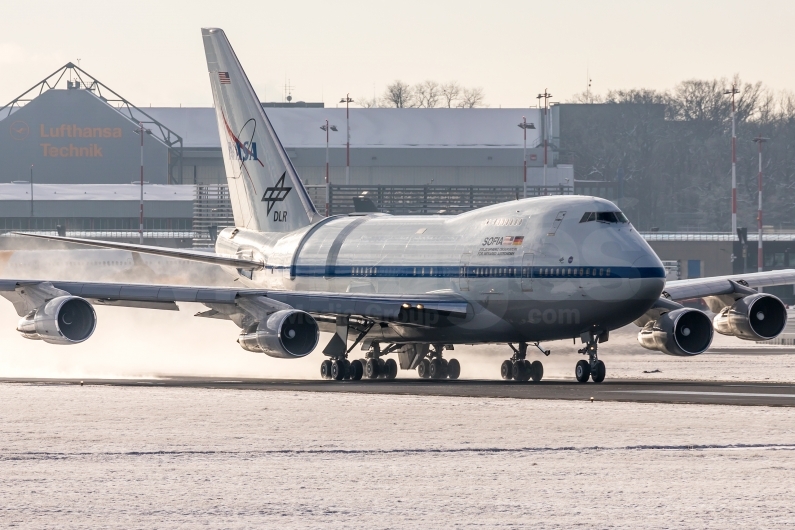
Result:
<point x="62" y="320"/>
<point x="286" y="334"/>
<point x="682" y="332"/>
<point x="755" y="317"/>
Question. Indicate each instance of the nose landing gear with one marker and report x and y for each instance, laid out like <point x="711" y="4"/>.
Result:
<point x="593" y="368"/>
<point x="519" y="368"/>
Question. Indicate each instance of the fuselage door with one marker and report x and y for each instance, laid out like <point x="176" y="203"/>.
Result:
<point x="527" y="271"/>
<point x="463" y="271"/>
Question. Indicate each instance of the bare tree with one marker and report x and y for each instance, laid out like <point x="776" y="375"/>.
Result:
<point x="586" y="97"/>
<point x="450" y="93"/>
<point x="427" y="94"/>
<point x="368" y="103"/>
<point x="399" y="95"/>
<point x="471" y="98"/>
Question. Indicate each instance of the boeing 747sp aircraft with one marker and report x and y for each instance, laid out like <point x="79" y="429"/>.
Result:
<point x="517" y="273"/>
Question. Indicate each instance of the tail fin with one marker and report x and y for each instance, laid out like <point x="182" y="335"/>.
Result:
<point x="266" y="193"/>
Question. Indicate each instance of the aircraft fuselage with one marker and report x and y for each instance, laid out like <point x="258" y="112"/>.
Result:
<point x="530" y="269"/>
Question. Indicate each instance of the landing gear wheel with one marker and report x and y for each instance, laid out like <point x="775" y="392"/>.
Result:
<point x="436" y="371"/>
<point x="371" y="369"/>
<point x="356" y="370"/>
<point x="536" y="371"/>
<point x="391" y="369"/>
<point x="506" y="370"/>
<point x="424" y="369"/>
<point x="582" y="371"/>
<point x="518" y="370"/>
<point x="453" y="369"/>
<point x="337" y="370"/>
<point x="382" y="373"/>
<point x="599" y="372"/>
<point x="347" y="372"/>
<point x="325" y="369"/>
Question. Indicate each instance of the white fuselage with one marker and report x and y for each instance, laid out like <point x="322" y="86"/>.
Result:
<point x="530" y="269"/>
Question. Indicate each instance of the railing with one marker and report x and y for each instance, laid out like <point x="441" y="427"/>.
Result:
<point x="212" y="212"/>
<point x="407" y="200"/>
<point x="107" y="234"/>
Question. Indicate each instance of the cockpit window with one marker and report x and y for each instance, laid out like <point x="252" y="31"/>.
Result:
<point x="604" y="217"/>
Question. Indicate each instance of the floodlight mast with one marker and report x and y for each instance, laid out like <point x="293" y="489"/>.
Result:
<point x="347" y="100"/>
<point x="328" y="128"/>
<point x="546" y="95"/>
<point x="734" y="90"/>
<point x="524" y="125"/>
<point x="760" y="262"/>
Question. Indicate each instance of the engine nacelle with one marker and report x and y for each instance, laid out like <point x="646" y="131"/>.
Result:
<point x="62" y="320"/>
<point x="755" y="317"/>
<point x="286" y="334"/>
<point x="682" y="332"/>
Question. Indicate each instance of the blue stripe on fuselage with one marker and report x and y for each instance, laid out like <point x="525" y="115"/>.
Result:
<point x="474" y="272"/>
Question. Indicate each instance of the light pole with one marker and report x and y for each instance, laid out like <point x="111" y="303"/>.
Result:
<point x="734" y="90"/>
<point x="140" y="130"/>
<point x="759" y="258"/>
<point x="347" y="100"/>
<point x="327" y="128"/>
<point x="546" y="95"/>
<point x="524" y="125"/>
<point x="31" y="196"/>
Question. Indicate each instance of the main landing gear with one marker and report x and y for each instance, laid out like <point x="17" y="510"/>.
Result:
<point x="371" y="367"/>
<point x="519" y="368"/>
<point x="434" y="366"/>
<point x="593" y="368"/>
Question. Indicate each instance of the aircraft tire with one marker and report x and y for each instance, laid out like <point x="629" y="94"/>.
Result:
<point x="537" y="371"/>
<point x="506" y="370"/>
<point x="346" y="373"/>
<point x="424" y="369"/>
<point x="453" y="369"/>
<point x="582" y="371"/>
<point x="382" y="370"/>
<point x="391" y="369"/>
<point x="371" y="368"/>
<point x="436" y="371"/>
<point x="518" y="371"/>
<point x="599" y="372"/>
<point x="337" y="370"/>
<point x="356" y="370"/>
<point x="325" y="369"/>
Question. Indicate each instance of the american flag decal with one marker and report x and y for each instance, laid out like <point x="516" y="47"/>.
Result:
<point x="224" y="78"/>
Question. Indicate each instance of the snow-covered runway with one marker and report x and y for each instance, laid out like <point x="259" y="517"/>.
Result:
<point x="128" y="457"/>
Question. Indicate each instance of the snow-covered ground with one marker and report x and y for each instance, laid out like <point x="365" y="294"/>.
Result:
<point x="126" y="457"/>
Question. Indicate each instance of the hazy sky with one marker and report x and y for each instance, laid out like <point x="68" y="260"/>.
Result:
<point x="151" y="51"/>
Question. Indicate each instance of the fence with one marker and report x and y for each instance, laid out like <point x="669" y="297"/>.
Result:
<point x="408" y="200"/>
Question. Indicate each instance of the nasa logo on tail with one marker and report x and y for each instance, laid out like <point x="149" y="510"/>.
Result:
<point x="274" y="194"/>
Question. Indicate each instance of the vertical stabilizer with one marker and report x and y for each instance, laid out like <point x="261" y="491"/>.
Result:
<point x="266" y="193"/>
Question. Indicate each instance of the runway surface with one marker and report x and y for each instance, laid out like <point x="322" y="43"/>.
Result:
<point x="710" y="393"/>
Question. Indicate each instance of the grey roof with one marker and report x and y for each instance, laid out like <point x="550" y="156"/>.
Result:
<point x="300" y="127"/>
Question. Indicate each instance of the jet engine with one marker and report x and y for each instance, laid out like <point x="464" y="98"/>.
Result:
<point x="755" y="317"/>
<point x="286" y="334"/>
<point x="682" y="332"/>
<point x="62" y="320"/>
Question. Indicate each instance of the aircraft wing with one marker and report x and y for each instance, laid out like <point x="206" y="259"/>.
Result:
<point x="181" y="253"/>
<point x="725" y="285"/>
<point x="28" y="294"/>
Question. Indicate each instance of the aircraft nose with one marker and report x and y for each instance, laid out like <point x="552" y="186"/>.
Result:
<point x="651" y="276"/>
